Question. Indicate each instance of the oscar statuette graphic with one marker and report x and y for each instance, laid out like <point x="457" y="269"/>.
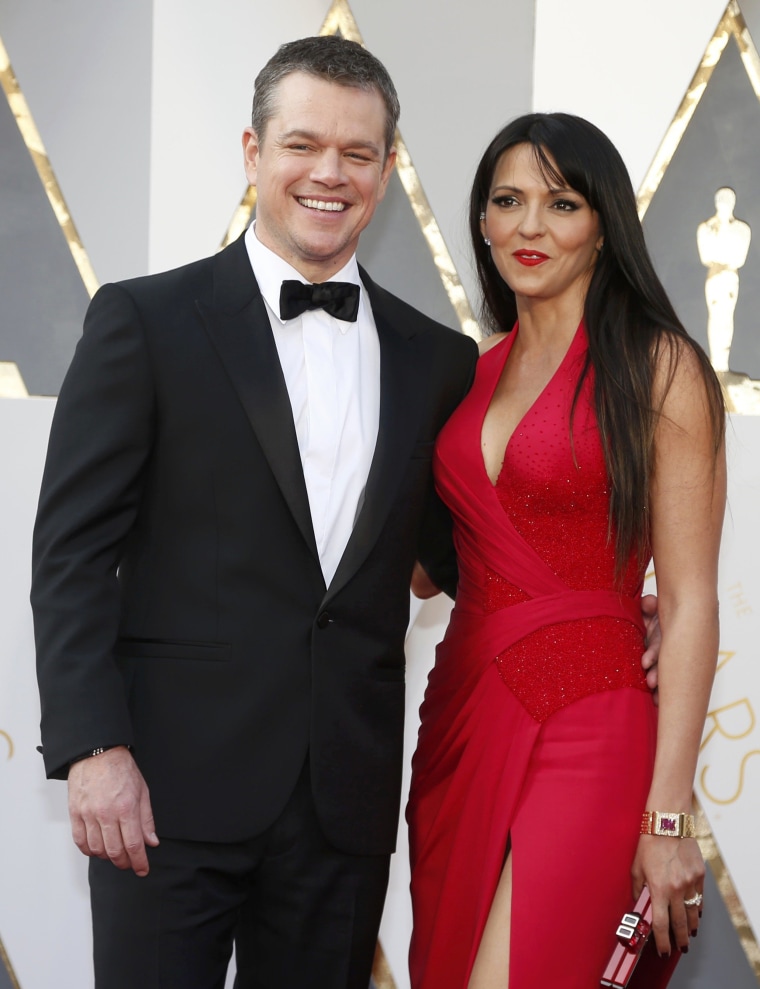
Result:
<point x="723" y="243"/>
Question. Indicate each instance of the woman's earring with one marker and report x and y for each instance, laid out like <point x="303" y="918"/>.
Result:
<point x="486" y="241"/>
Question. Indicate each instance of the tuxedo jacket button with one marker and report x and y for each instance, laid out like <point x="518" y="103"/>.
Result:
<point x="323" y="620"/>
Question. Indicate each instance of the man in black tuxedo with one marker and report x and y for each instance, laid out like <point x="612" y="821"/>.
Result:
<point x="237" y="487"/>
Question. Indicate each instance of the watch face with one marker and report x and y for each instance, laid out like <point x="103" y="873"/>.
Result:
<point x="668" y="824"/>
<point x="675" y="825"/>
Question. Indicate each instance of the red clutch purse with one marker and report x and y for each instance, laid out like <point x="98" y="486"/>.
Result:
<point x="634" y="963"/>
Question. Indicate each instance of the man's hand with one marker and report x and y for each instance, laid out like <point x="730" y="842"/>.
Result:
<point x="654" y="640"/>
<point x="109" y="808"/>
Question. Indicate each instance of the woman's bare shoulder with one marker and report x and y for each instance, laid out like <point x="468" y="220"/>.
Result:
<point x="488" y="342"/>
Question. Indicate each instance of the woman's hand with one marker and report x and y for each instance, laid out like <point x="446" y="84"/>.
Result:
<point x="422" y="586"/>
<point x="653" y="641"/>
<point x="674" y="871"/>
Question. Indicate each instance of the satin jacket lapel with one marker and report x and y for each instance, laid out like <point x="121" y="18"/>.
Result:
<point x="401" y="395"/>
<point x="238" y="324"/>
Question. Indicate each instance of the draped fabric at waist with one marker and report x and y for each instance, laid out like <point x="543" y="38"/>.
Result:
<point x="473" y="641"/>
<point x="488" y="635"/>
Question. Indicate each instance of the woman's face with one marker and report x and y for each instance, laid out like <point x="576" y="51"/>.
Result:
<point x="544" y="239"/>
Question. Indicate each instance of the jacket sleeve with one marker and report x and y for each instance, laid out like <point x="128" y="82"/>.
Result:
<point x="100" y="442"/>
<point x="436" y="548"/>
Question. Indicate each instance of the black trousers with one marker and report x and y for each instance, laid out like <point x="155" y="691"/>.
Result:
<point x="301" y="914"/>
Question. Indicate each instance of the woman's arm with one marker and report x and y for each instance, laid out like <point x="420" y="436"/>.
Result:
<point x="687" y="501"/>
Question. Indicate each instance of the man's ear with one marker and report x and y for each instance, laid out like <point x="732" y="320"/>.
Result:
<point x="385" y="175"/>
<point x="251" y="154"/>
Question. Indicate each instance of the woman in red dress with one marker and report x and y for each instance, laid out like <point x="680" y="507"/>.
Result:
<point x="592" y="440"/>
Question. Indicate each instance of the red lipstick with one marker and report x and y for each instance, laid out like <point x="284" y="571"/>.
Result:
<point x="530" y="258"/>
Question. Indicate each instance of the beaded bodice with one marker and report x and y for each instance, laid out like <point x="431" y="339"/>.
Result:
<point x="554" y="496"/>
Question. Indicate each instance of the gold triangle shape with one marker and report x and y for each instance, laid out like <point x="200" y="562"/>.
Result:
<point x="11" y="383"/>
<point x="340" y="20"/>
<point x="731" y="24"/>
<point x="6" y="962"/>
<point x="711" y="855"/>
<point x="33" y="141"/>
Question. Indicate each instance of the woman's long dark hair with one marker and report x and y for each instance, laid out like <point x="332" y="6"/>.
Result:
<point x="629" y="319"/>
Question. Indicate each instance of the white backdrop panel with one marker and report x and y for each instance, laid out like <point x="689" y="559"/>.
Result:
<point x="624" y="66"/>
<point x="728" y="777"/>
<point x="44" y="906"/>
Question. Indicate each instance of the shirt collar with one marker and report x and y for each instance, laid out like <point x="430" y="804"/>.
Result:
<point x="271" y="271"/>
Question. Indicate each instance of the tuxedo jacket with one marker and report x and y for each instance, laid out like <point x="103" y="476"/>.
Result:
<point x="178" y="598"/>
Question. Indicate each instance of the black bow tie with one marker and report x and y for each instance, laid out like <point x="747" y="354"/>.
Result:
<point x="339" y="299"/>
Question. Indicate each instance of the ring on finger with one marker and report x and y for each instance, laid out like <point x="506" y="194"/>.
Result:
<point x="694" y="901"/>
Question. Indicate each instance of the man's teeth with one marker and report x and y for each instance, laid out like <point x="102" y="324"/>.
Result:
<point x="321" y="204"/>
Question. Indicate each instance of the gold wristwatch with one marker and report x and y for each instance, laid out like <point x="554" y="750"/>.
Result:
<point x="670" y="825"/>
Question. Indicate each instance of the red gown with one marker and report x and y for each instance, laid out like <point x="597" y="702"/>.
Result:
<point x="538" y="731"/>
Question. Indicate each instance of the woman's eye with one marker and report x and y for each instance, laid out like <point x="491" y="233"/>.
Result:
<point x="565" y="205"/>
<point x="504" y="201"/>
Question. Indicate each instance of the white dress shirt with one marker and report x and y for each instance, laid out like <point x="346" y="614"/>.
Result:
<point x="332" y="373"/>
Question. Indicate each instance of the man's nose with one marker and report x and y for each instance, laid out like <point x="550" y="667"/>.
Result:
<point x="328" y="168"/>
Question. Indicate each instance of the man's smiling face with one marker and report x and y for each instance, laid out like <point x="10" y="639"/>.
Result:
<point x="320" y="170"/>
